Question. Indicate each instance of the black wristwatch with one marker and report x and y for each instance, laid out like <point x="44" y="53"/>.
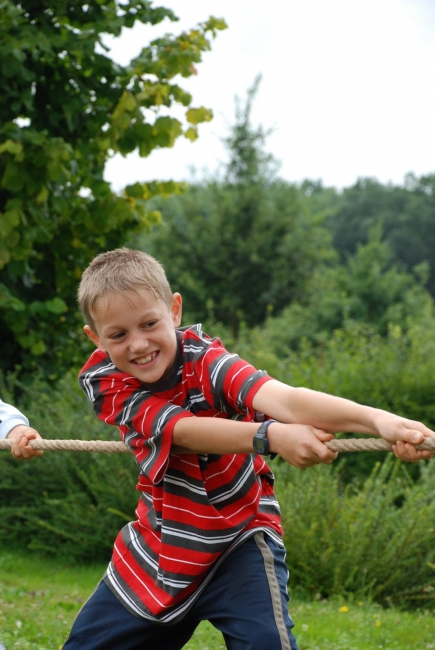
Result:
<point x="260" y="441"/>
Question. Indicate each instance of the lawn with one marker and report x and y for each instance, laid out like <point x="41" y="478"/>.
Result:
<point x="40" y="597"/>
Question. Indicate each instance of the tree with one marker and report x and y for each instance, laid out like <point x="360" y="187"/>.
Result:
<point x="406" y="214"/>
<point x="367" y="289"/>
<point x="242" y="246"/>
<point x="65" y="108"/>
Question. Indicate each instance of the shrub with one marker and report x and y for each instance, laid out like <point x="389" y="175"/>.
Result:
<point x="65" y="503"/>
<point x="373" y="540"/>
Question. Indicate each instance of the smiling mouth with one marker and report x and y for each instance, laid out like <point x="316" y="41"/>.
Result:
<point x="147" y="359"/>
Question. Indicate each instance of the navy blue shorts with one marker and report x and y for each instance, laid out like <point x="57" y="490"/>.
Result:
<point x="246" y="600"/>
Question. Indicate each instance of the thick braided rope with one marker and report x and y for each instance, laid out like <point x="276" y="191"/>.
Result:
<point x="111" y="447"/>
<point x="116" y="447"/>
<point x="372" y="444"/>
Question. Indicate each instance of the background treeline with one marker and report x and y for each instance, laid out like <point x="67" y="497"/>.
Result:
<point x="329" y="289"/>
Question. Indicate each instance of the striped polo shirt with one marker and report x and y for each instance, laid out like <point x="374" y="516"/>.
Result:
<point x="194" y="509"/>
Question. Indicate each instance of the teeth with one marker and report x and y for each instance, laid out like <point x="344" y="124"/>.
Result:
<point x="147" y="359"/>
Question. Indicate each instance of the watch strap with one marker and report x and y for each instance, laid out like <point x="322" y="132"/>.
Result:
<point x="260" y="442"/>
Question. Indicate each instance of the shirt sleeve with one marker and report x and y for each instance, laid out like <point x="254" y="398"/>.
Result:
<point x="10" y="417"/>
<point x="146" y="422"/>
<point x="228" y="382"/>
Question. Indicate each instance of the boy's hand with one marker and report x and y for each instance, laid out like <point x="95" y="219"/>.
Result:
<point x="300" y="445"/>
<point x="404" y="434"/>
<point x="21" y="435"/>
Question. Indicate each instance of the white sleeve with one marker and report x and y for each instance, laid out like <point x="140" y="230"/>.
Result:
<point x="10" y="417"/>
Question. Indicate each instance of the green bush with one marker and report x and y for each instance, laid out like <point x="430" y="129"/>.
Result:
<point x="370" y="541"/>
<point x="65" y="503"/>
<point x="394" y="372"/>
<point x="368" y="289"/>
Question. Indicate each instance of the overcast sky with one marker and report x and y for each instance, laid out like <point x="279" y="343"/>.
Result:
<point x="347" y="85"/>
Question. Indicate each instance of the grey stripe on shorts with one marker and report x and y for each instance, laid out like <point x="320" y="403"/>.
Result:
<point x="275" y="592"/>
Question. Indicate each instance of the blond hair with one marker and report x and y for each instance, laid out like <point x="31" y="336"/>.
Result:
<point x="117" y="271"/>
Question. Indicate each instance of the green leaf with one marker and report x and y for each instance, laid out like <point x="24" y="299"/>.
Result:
<point x="56" y="305"/>
<point x="8" y="221"/>
<point x="38" y="348"/>
<point x="213" y="24"/>
<point x="136" y="191"/>
<point x="43" y="195"/>
<point x="166" y="130"/>
<point x="126" y="103"/>
<point x="7" y="300"/>
<point x="191" y="134"/>
<point x="5" y="256"/>
<point x="11" y="147"/>
<point x="197" y="115"/>
<point x="13" y="178"/>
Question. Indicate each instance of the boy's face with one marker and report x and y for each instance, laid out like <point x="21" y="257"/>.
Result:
<point x="137" y="330"/>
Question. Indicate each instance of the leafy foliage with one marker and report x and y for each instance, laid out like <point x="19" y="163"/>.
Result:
<point x="372" y="541"/>
<point x="68" y="504"/>
<point x="405" y="212"/>
<point x="65" y="108"/>
<point x="240" y="247"/>
<point x="368" y="288"/>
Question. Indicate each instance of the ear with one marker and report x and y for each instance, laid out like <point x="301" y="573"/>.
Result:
<point x="176" y="309"/>
<point x="93" y="336"/>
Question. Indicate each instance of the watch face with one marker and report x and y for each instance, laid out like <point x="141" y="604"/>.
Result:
<point x="260" y="442"/>
<point x="260" y="445"/>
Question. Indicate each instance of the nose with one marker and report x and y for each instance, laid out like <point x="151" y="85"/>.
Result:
<point x="138" y="341"/>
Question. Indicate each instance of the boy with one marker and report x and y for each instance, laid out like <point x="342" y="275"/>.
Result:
<point x="14" y="425"/>
<point x="207" y="543"/>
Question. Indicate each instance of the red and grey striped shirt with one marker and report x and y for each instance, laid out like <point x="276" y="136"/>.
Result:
<point x="194" y="509"/>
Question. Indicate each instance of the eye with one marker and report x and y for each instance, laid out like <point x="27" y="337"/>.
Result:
<point x="149" y="324"/>
<point x="117" y="336"/>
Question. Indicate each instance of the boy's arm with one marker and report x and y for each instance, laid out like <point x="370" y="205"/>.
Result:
<point x="151" y="426"/>
<point x="335" y="414"/>
<point x="302" y="445"/>
<point x="230" y="384"/>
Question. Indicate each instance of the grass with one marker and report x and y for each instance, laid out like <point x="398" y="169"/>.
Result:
<point x="40" y="597"/>
<point x="334" y="625"/>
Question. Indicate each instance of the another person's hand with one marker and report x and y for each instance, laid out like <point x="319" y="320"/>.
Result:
<point x="21" y="436"/>
<point x="300" y="445"/>
<point x="404" y="434"/>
